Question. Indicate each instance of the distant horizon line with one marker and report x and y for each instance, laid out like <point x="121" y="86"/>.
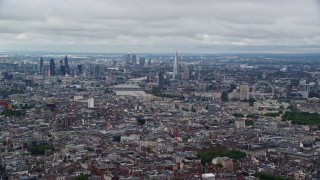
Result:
<point x="156" y="53"/>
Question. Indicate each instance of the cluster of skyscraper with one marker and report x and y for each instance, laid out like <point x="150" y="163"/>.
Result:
<point x="131" y="59"/>
<point x="175" y="75"/>
<point x="64" y="68"/>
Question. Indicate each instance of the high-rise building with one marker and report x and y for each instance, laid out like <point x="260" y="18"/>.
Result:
<point x="62" y="69"/>
<point x="128" y="59"/>
<point x="41" y="66"/>
<point x="66" y="64"/>
<point x="90" y="103"/>
<point x="142" y="61"/>
<point x="186" y="73"/>
<point x="244" y="92"/>
<point x="133" y="59"/>
<point x="52" y="67"/>
<point x="97" y="70"/>
<point x="161" y="81"/>
<point x="79" y="69"/>
<point x="199" y="72"/>
<point x="175" y="66"/>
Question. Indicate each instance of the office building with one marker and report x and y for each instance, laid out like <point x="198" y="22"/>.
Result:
<point x="62" y="70"/>
<point x="244" y="92"/>
<point x="186" y="73"/>
<point x="134" y="59"/>
<point x="161" y="81"/>
<point x="79" y="69"/>
<point x="240" y="124"/>
<point x="52" y="68"/>
<point x="90" y="103"/>
<point x="97" y="70"/>
<point x="142" y="61"/>
<point x="41" y="66"/>
<point x="66" y="64"/>
<point x="128" y="59"/>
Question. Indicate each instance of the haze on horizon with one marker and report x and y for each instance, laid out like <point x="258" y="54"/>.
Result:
<point x="204" y="26"/>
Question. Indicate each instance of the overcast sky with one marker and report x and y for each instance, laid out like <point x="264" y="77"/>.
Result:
<point x="198" y="26"/>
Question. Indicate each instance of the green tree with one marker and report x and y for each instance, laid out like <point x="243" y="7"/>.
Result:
<point x="39" y="149"/>
<point x="255" y="116"/>
<point x="249" y="123"/>
<point x="302" y="118"/>
<point x="272" y="114"/>
<point x="267" y="176"/>
<point x="238" y="115"/>
<point x="219" y="165"/>
<point x="82" y="177"/>
<point x="16" y="113"/>
<point x="208" y="156"/>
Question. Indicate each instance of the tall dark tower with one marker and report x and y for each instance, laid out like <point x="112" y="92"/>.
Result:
<point x="134" y="59"/>
<point x="79" y="69"/>
<point x="161" y="81"/>
<point x="97" y="70"/>
<point x="62" y="69"/>
<point x="41" y="66"/>
<point x="66" y="65"/>
<point x="128" y="59"/>
<point x="52" y="68"/>
<point x="142" y="61"/>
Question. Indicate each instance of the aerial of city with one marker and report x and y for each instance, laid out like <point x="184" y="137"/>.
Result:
<point x="159" y="90"/>
<point x="159" y="116"/>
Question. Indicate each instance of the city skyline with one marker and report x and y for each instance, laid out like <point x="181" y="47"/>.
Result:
<point x="160" y="26"/>
<point x="160" y="117"/>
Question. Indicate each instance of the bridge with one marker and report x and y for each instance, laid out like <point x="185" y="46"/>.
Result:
<point x="126" y="87"/>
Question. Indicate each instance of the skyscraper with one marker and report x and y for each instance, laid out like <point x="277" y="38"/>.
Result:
<point x="134" y="59"/>
<point x="186" y="73"/>
<point x="175" y="66"/>
<point x="244" y="92"/>
<point x="52" y="68"/>
<point x="97" y="70"/>
<point x="41" y="66"/>
<point x="62" y="69"/>
<point x="79" y="69"/>
<point x="161" y="81"/>
<point x="128" y="59"/>
<point x="66" y="65"/>
<point x="142" y="61"/>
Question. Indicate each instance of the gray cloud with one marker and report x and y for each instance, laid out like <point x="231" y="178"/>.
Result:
<point x="160" y="26"/>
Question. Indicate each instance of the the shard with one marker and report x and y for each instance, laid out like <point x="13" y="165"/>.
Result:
<point x="175" y="66"/>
